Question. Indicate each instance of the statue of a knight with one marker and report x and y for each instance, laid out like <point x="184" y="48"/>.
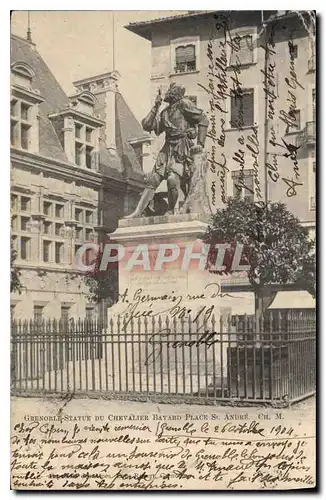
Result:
<point x="182" y="123"/>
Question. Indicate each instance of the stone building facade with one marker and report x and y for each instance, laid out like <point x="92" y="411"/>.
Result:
<point x="76" y="167"/>
<point x="273" y="52"/>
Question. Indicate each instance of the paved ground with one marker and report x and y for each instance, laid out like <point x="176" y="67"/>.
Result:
<point x="36" y="406"/>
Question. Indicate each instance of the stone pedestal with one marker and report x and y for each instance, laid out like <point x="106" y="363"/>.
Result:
<point x="171" y="314"/>
<point x="182" y="285"/>
<point x="156" y="286"/>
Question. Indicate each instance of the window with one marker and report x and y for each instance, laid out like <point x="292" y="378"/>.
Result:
<point x="46" y="250"/>
<point x="78" y="214"/>
<point x="295" y="125"/>
<point x="14" y="223"/>
<point x="38" y="314"/>
<point x="58" y="252"/>
<point x="24" y="111"/>
<point x="88" y="217"/>
<point x="58" y="229"/>
<point x="14" y="201"/>
<point x="78" y="153"/>
<point x="47" y="226"/>
<point x="24" y="204"/>
<point x="84" y="146"/>
<point x="59" y="211"/>
<point x="15" y="242"/>
<point x="47" y="208"/>
<point x="314" y="105"/>
<point x="89" y="256"/>
<point x="14" y="108"/>
<point x="90" y="313"/>
<point x="12" y="133"/>
<point x="185" y="58"/>
<point x="20" y="124"/>
<point x="89" y="132"/>
<point x="79" y="233"/>
<point x="24" y="136"/>
<point x="244" y="50"/>
<point x="242" y="109"/>
<point x="65" y="310"/>
<point x="89" y="234"/>
<point x="24" y="248"/>
<point x="243" y="185"/>
<point x="23" y="223"/>
<point x="89" y="151"/>
<point x="78" y="129"/>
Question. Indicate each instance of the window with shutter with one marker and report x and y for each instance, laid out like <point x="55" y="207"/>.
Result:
<point x="38" y="315"/>
<point x="243" y="185"/>
<point x="242" y="109"/>
<point x="185" y="58"/>
<point x="245" y="53"/>
<point x="65" y="311"/>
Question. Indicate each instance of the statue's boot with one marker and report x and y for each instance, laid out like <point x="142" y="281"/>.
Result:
<point x="145" y="199"/>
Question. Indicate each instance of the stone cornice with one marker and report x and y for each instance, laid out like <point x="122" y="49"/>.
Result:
<point x="163" y="227"/>
<point x="94" y="121"/>
<point x="92" y="178"/>
<point x="48" y="268"/>
<point x="29" y="94"/>
<point x="55" y="167"/>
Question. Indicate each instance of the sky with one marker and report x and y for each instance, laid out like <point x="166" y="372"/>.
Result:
<point x="78" y="44"/>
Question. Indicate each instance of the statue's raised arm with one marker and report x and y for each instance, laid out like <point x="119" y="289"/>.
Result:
<point x="152" y="122"/>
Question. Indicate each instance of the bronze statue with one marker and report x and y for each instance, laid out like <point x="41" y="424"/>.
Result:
<point x="182" y="122"/>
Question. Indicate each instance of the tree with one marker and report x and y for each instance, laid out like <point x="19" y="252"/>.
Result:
<point x="102" y="284"/>
<point x="277" y="247"/>
<point x="15" y="284"/>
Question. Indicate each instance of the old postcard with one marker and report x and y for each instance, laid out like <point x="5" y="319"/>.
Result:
<point x="163" y="198"/>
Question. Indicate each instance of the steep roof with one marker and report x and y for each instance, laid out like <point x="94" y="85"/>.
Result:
<point x="54" y="97"/>
<point x="130" y="127"/>
<point x="127" y="128"/>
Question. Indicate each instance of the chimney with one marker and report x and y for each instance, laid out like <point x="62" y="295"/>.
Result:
<point x="104" y="86"/>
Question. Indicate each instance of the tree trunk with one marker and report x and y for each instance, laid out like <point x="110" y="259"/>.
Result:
<point x="259" y="296"/>
<point x="264" y="296"/>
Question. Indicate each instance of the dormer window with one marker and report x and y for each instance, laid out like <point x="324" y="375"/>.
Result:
<point x="22" y="74"/>
<point x="24" y="109"/>
<point x="84" y="145"/>
<point x="81" y="129"/>
<point x="84" y="101"/>
<point x="20" y="124"/>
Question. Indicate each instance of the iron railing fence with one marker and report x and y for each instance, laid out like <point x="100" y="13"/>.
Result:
<point x="271" y="359"/>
